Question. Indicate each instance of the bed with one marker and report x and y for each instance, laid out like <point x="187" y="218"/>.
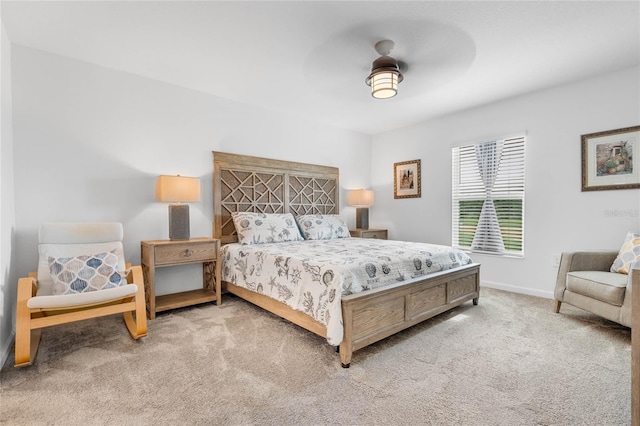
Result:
<point x="264" y="186"/>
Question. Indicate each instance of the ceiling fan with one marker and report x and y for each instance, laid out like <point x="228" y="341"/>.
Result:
<point x="386" y="72"/>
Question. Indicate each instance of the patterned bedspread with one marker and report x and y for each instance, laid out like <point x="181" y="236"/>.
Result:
<point x="311" y="276"/>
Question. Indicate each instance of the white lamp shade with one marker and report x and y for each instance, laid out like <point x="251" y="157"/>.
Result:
<point x="177" y="189"/>
<point x="360" y="198"/>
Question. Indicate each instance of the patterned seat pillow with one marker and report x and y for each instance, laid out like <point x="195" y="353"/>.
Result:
<point x="323" y="226"/>
<point x="85" y="273"/>
<point x="629" y="253"/>
<point x="261" y="228"/>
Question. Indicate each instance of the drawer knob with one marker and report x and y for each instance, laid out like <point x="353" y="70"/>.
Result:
<point x="188" y="253"/>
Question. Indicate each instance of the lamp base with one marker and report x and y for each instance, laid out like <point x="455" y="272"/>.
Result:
<point x="179" y="222"/>
<point x="362" y="217"/>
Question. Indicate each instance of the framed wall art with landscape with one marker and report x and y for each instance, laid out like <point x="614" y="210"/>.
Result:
<point x="610" y="159"/>
<point x="406" y="179"/>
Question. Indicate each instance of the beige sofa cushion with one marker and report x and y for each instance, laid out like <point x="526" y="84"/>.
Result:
<point x="608" y="287"/>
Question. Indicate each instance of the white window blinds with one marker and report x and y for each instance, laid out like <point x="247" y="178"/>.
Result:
<point x="488" y="196"/>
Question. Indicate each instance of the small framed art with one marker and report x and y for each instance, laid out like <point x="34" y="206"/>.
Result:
<point x="611" y="159"/>
<point x="406" y="179"/>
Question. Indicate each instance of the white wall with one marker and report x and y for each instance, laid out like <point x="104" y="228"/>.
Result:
<point x="7" y="212"/>
<point x="558" y="216"/>
<point x="90" y="142"/>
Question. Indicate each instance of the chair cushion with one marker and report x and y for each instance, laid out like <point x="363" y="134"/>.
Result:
<point x="629" y="253"/>
<point x="85" y="273"/>
<point x="608" y="287"/>
<point x="45" y="300"/>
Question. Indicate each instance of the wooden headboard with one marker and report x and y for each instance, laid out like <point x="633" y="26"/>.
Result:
<point x="252" y="184"/>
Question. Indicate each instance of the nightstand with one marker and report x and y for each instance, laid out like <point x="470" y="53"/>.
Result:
<point x="380" y="234"/>
<point x="163" y="253"/>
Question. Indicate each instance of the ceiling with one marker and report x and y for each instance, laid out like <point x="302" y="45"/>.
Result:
<point x="311" y="58"/>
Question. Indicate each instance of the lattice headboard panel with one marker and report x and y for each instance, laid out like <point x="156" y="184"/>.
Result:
<point x="244" y="183"/>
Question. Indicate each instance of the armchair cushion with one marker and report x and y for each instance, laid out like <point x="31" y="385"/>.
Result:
<point x="85" y="273"/>
<point x="629" y="253"/>
<point x="608" y="287"/>
<point x="44" y="301"/>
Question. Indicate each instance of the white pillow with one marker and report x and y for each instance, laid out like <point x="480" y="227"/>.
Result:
<point x="261" y="228"/>
<point x="85" y="273"/>
<point x="323" y="226"/>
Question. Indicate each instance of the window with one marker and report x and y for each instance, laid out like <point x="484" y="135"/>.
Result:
<point x="488" y="197"/>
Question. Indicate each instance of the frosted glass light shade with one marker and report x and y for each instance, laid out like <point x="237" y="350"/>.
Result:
<point x="384" y="84"/>
<point x="177" y="189"/>
<point x="360" y="198"/>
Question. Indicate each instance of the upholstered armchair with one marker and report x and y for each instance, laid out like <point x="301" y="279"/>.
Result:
<point x="81" y="274"/>
<point x="586" y="282"/>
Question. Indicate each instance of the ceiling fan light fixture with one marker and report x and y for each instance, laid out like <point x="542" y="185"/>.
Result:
<point x="385" y="73"/>
<point x="384" y="84"/>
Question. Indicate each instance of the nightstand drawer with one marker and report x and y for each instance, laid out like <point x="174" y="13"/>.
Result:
<point x="187" y="253"/>
<point x="374" y="234"/>
<point x="380" y="234"/>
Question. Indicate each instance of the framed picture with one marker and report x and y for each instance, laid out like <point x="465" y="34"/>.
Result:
<point x="406" y="179"/>
<point x="611" y="159"/>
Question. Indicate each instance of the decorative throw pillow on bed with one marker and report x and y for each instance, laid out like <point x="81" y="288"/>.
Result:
<point x="629" y="253"/>
<point x="260" y="228"/>
<point x="82" y="274"/>
<point x="323" y="226"/>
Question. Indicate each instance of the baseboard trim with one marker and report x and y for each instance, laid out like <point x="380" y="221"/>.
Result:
<point x="6" y="349"/>
<point x="514" y="289"/>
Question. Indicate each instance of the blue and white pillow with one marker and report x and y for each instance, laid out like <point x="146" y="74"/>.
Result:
<point x="323" y="226"/>
<point x="85" y="273"/>
<point x="262" y="228"/>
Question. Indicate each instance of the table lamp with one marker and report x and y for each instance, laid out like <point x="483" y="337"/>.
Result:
<point x="177" y="190"/>
<point x="361" y="199"/>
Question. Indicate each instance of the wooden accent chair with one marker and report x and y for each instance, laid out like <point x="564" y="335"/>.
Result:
<point x="40" y="303"/>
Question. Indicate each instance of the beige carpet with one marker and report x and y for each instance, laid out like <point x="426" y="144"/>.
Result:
<point x="507" y="361"/>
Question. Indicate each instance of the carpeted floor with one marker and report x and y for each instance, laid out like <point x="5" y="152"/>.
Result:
<point x="508" y="361"/>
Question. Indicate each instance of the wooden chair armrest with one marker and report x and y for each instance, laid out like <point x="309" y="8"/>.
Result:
<point x="134" y="275"/>
<point x="27" y="288"/>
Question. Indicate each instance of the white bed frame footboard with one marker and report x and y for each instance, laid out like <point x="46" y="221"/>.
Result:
<point x="243" y="183"/>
